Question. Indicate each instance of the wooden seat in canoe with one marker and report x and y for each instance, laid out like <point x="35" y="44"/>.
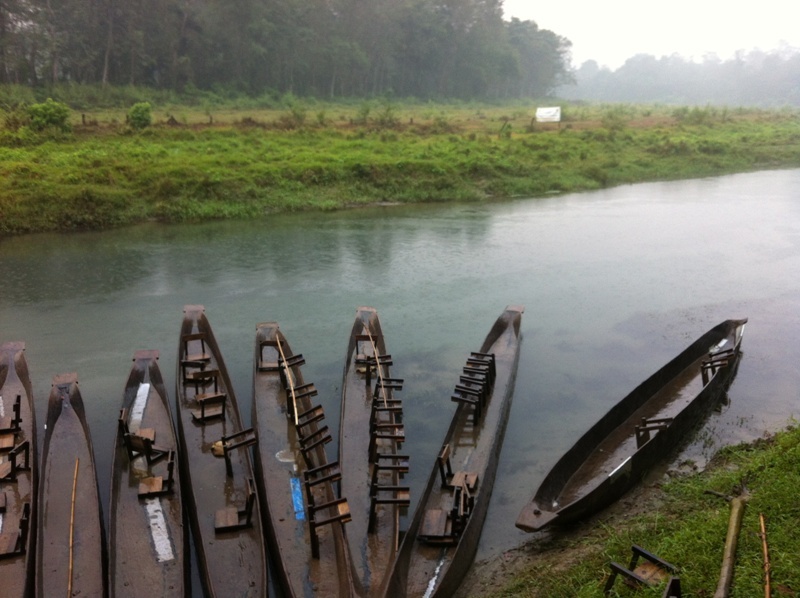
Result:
<point x="465" y="478"/>
<point x="650" y="425"/>
<point x="12" y="543"/>
<point x="436" y="528"/>
<point x="267" y="365"/>
<point x="330" y="472"/>
<point x="341" y="514"/>
<point x="445" y="469"/>
<point x="9" y="468"/>
<point x="231" y="519"/>
<point x="157" y="485"/>
<point x="10" y="424"/>
<point x="197" y="358"/>
<point x="140" y="443"/>
<point x="241" y="439"/>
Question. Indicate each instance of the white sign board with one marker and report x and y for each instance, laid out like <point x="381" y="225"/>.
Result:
<point x="551" y="114"/>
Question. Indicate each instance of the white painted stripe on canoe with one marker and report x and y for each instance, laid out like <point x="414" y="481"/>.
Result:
<point x="2" y="408"/>
<point x="432" y="583"/>
<point x="619" y="467"/>
<point x="1" y="523"/>
<point x="139" y="404"/>
<point x="158" y="530"/>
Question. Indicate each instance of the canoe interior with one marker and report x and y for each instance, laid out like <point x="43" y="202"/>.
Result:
<point x="71" y="537"/>
<point x="217" y="491"/>
<point x="18" y="479"/>
<point x="147" y="532"/>
<point x="608" y="458"/>
<point x="371" y="435"/>
<point x="284" y="461"/>
<point x="432" y="562"/>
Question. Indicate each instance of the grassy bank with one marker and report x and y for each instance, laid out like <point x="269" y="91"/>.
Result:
<point x="686" y="526"/>
<point x="231" y="162"/>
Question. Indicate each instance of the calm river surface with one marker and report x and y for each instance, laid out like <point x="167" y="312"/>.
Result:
<point x="615" y="283"/>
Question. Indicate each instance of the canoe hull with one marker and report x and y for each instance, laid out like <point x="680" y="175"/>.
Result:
<point x="147" y="535"/>
<point x="231" y="563"/>
<point x="434" y="570"/>
<point x="280" y="468"/>
<point x="68" y="479"/>
<point x="372" y="550"/>
<point x="681" y="374"/>
<point x="17" y="571"/>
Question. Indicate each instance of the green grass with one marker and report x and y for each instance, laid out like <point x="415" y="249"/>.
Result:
<point x="253" y="162"/>
<point x="687" y="527"/>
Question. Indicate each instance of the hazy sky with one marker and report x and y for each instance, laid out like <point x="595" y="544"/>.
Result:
<point x="612" y="31"/>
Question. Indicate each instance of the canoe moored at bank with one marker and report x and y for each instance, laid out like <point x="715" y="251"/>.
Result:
<point x="640" y="430"/>
<point x="18" y="473"/>
<point x="371" y="435"/>
<point x="216" y="471"/>
<point x="70" y="550"/>
<point x="147" y="531"/>
<point x="305" y="516"/>
<point x="443" y="536"/>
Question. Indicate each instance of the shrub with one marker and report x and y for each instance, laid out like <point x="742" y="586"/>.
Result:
<point x="49" y="114"/>
<point x="140" y="116"/>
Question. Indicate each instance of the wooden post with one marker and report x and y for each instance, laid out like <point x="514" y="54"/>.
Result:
<point x="729" y="555"/>
<point x="72" y="528"/>
<point x="767" y="588"/>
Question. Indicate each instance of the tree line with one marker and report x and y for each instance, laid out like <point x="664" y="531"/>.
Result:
<point x="322" y="48"/>
<point x="755" y="78"/>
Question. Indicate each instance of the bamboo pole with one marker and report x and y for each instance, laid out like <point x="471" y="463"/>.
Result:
<point x="765" y="548"/>
<point x="72" y="527"/>
<point x="729" y="555"/>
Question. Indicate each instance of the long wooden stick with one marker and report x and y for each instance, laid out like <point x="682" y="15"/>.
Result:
<point x="72" y="527"/>
<point x="767" y="588"/>
<point x="729" y="555"/>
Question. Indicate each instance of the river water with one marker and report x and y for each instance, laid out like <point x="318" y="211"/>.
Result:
<point x="615" y="283"/>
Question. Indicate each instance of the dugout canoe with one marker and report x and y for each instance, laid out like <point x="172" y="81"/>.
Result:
<point x="442" y="539"/>
<point x="216" y="471"/>
<point x="303" y="513"/>
<point x="147" y="531"/>
<point x="18" y="473"/>
<point x="371" y="434"/>
<point x="642" y="429"/>
<point x="71" y="550"/>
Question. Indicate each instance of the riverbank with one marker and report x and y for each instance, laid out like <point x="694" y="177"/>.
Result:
<point x="678" y="517"/>
<point x="236" y="164"/>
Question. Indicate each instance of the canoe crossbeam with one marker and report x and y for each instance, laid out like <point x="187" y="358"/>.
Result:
<point x="9" y="468"/>
<point x="13" y="543"/>
<point x="243" y="438"/>
<point x="327" y="473"/>
<point x="400" y="496"/>
<point x="650" y="572"/>
<point x="716" y="361"/>
<point x="475" y="383"/>
<point x="650" y="425"/>
<point x="231" y="519"/>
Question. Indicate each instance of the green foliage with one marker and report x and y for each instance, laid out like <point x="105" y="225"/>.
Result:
<point x="246" y="167"/>
<point x="49" y="115"/>
<point x="140" y="116"/>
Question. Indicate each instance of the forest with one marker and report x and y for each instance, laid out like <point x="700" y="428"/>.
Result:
<point x="754" y="78"/>
<point x="324" y="48"/>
